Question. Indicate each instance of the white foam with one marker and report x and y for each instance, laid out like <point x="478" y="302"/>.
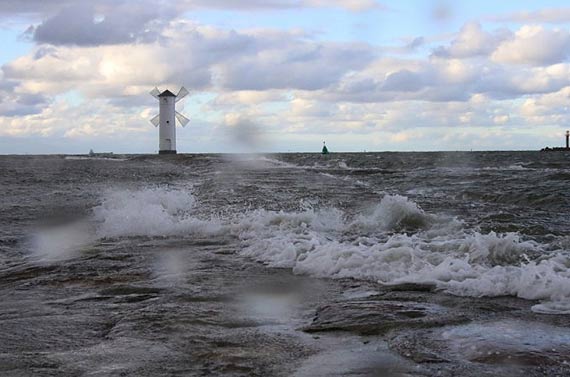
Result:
<point x="552" y="307"/>
<point x="394" y="242"/>
<point x="393" y="212"/>
<point x="503" y="168"/>
<point x="438" y="251"/>
<point x="150" y="212"/>
<point x="122" y="213"/>
<point x="278" y="163"/>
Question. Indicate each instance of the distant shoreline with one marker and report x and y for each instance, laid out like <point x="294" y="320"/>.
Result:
<point x="112" y="155"/>
<point x="555" y="149"/>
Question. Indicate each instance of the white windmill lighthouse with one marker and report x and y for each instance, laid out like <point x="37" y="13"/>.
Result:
<point x="166" y="118"/>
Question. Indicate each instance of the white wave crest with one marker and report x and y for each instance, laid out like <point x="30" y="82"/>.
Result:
<point x="394" y="212"/>
<point x="150" y="212"/>
<point x="394" y="242"/>
<point x="440" y="251"/>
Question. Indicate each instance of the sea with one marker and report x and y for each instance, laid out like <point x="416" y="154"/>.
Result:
<point x="296" y="264"/>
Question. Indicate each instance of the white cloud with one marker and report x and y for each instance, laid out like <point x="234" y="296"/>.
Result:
<point x="547" y="109"/>
<point x="196" y="56"/>
<point x="531" y="44"/>
<point x="287" y="83"/>
<point x="390" y="79"/>
<point x="305" y="107"/>
<point x="471" y="41"/>
<point x="352" y="5"/>
<point x="401" y="137"/>
<point x="89" y="120"/>
<point x="501" y="119"/>
<point x="534" y="45"/>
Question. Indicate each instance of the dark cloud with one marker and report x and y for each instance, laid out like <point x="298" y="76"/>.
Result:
<point x="31" y="99"/>
<point x="298" y="65"/>
<point x="415" y="43"/>
<point x="208" y="58"/>
<point x="103" y="22"/>
<point x="84" y="25"/>
<point x="12" y="104"/>
<point x="7" y="85"/>
<point x="443" y="83"/>
<point x="244" y="4"/>
<point x="42" y="8"/>
<point x="17" y="111"/>
<point x="18" y="7"/>
<point x="403" y="81"/>
<point x="44" y="51"/>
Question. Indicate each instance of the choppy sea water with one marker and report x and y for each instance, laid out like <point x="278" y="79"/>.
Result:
<point x="292" y="264"/>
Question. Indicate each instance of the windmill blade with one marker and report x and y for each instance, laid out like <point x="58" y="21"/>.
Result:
<point x="183" y="92"/>
<point x="182" y="119"/>
<point x="155" y="92"/>
<point x="156" y="120"/>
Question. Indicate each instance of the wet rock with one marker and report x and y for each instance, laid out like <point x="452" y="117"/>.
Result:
<point x="413" y="346"/>
<point x="504" y="347"/>
<point x="367" y="317"/>
<point x="414" y="287"/>
<point x="348" y="356"/>
<point x="129" y="290"/>
<point x="508" y="342"/>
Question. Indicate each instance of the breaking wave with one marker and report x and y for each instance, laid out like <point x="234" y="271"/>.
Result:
<point x="395" y="242"/>
<point x="150" y="212"/>
<point x="399" y="243"/>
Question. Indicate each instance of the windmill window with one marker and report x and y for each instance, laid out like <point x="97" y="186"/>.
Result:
<point x="167" y="121"/>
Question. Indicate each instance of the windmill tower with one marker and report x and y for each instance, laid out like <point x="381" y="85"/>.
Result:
<point x="166" y="119"/>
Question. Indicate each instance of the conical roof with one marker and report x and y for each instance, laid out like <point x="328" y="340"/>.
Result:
<point x="167" y="93"/>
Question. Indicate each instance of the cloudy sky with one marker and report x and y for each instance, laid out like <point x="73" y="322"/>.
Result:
<point x="284" y="75"/>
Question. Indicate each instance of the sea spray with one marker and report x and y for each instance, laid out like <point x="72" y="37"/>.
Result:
<point x="394" y="212"/>
<point x="457" y="260"/>
<point x="150" y="212"/>
<point x="395" y="242"/>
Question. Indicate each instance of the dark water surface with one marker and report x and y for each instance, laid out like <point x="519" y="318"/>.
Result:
<point x="381" y="264"/>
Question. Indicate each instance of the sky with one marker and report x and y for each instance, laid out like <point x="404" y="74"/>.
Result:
<point x="285" y="75"/>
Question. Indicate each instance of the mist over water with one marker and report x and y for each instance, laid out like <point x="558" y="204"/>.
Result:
<point x="468" y="225"/>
